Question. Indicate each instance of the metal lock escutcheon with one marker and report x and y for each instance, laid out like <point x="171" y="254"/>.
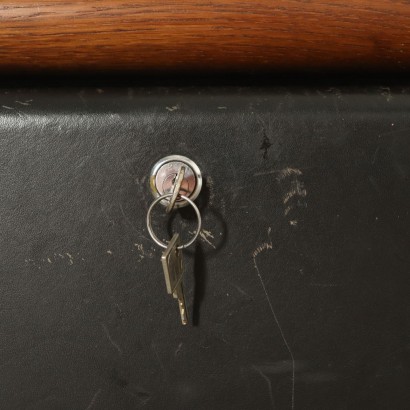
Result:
<point x="163" y="176"/>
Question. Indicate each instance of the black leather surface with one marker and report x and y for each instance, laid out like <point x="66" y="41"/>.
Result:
<point x="298" y="288"/>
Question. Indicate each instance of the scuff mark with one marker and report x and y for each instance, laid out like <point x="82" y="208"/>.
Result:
<point x="54" y="258"/>
<point x="26" y="103"/>
<point x="297" y="188"/>
<point x="70" y="258"/>
<point x="280" y="173"/>
<point x="107" y="333"/>
<point x="178" y="349"/>
<point x="31" y="262"/>
<point x="142" y="252"/>
<point x="264" y="247"/>
<point x="294" y="191"/>
<point x="139" y="246"/>
<point x="240" y="290"/>
<point x="266" y="144"/>
<point x="173" y="108"/>
<point x="287" y="172"/>
<point x="205" y="235"/>
<point x="94" y="400"/>
<point x="287" y="210"/>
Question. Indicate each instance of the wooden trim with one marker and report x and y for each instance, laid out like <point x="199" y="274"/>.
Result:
<point x="209" y="35"/>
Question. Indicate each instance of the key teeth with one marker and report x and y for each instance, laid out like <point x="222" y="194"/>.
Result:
<point x="182" y="311"/>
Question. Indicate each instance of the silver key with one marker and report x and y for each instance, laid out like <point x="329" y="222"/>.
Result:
<point x="173" y="271"/>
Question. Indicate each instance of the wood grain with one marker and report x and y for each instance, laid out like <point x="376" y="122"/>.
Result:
<point x="207" y="35"/>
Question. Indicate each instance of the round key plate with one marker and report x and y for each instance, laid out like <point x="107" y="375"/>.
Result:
<point x="164" y="173"/>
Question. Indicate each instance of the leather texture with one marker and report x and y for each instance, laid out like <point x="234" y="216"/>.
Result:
<point x="298" y="288"/>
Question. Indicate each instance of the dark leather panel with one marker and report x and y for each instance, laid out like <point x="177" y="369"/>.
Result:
<point x="298" y="288"/>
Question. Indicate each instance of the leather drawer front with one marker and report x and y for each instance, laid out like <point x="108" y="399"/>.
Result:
<point x="297" y="288"/>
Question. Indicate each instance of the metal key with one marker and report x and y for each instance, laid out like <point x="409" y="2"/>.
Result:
<point x="173" y="271"/>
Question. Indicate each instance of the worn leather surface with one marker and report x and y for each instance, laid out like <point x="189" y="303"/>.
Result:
<point x="298" y="288"/>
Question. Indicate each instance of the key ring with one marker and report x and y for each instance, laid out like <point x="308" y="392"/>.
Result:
<point x="149" y="224"/>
